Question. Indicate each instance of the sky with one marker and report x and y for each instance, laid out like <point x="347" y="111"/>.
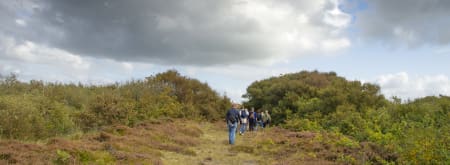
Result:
<point x="402" y="45"/>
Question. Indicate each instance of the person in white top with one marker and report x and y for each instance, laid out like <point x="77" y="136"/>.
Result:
<point x="243" y="114"/>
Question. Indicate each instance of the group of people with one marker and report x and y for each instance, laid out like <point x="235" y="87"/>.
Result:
<point x="247" y="120"/>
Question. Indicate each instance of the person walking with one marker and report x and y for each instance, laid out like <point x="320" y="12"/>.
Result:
<point x="244" y="121"/>
<point x="258" y="120"/>
<point x="232" y="118"/>
<point x="267" y="119"/>
<point x="252" y="119"/>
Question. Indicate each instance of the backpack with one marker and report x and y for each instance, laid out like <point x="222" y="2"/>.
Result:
<point x="244" y="114"/>
<point x="258" y="117"/>
<point x="252" y="115"/>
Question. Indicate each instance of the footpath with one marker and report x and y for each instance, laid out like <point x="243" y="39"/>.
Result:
<point x="215" y="150"/>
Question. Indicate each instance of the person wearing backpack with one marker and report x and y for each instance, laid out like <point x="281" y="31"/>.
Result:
<point x="263" y="119"/>
<point x="252" y="119"/>
<point x="232" y="118"/>
<point x="267" y="119"/>
<point x="258" y="120"/>
<point x="244" y="120"/>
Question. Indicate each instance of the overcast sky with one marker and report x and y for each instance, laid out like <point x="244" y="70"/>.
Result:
<point x="402" y="45"/>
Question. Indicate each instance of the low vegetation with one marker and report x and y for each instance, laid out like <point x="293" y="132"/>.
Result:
<point x="416" y="132"/>
<point x="38" y="110"/>
<point x="171" y="119"/>
<point x="116" y="144"/>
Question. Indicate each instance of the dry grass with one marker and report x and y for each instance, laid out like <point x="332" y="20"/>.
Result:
<point x="188" y="142"/>
<point x="116" y="144"/>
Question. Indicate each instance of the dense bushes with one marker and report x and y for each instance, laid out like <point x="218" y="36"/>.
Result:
<point x="28" y="117"/>
<point x="38" y="110"/>
<point x="418" y="131"/>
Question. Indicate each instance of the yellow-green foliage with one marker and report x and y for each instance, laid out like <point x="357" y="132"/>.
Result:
<point x="62" y="157"/>
<point x="95" y="157"/>
<point x="416" y="131"/>
<point x="38" y="110"/>
<point x="27" y="117"/>
<point x="299" y="124"/>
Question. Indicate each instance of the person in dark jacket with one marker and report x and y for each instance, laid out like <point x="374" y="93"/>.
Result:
<point x="232" y="118"/>
<point x="259" y="122"/>
<point x="252" y="119"/>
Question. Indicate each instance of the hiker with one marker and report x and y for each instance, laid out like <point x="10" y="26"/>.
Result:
<point x="258" y="120"/>
<point x="263" y="118"/>
<point x="267" y="119"/>
<point x="232" y="118"/>
<point x="244" y="120"/>
<point x="238" y="108"/>
<point x="252" y="119"/>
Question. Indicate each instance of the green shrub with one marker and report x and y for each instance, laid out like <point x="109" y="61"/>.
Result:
<point x="302" y="125"/>
<point x="28" y="117"/>
<point x="62" y="157"/>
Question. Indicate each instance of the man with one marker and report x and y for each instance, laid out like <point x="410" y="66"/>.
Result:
<point x="258" y="120"/>
<point x="267" y="119"/>
<point x="252" y="119"/>
<point x="244" y="121"/>
<point x="232" y="118"/>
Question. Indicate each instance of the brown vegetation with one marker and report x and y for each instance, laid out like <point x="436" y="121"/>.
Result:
<point x="281" y="146"/>
<point x="115" y="144"/>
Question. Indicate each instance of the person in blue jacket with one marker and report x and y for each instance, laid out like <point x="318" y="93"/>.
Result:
<point x="232" y="118"/>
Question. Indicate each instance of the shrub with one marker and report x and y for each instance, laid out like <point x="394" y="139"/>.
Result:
<point x="302" y="125"/>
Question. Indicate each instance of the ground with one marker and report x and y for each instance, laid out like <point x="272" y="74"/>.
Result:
<point x="214" y="149"/>
<point x="187" y="142"/>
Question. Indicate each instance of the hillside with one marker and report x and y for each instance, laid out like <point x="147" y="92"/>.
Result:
<point x="167" y="118"/>
<point x="190" y="142"/>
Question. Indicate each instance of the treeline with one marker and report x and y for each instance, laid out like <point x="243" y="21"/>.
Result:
<point x="418" y="131"/>
<point x="38" y="110"/>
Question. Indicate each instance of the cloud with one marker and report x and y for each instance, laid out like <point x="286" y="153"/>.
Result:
<point x="188" y="32"/>
<point x="39" y="54"/>
<point x="405" y="86"/>
<point x="405" y="22"/>
<point x="31" y="60"/>
<point x="21" y="22"/>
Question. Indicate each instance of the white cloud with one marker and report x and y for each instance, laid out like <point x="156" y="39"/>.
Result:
<point x="336" y="17"/>
<point x="332" y="45"/>
<point x="36" y="61"/>
<point x="186" y="32"/>
<point x="406" y="86"/>
<point x="21" y="22"/>
<point x="128" y="66"/>
<point x="30" y="52"/>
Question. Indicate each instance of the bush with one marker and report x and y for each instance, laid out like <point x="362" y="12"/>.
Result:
<point x="302" y="125"/>
<point x="26" y="117"/>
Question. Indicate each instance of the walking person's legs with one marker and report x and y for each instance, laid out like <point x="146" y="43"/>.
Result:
<point x="243" y="127"/>
<point x="231" y="132"/>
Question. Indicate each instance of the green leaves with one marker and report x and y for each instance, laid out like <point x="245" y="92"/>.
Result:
<point x="310" y="101"/>
<point x="27" y="117"/>
<point x="38" y="110"/>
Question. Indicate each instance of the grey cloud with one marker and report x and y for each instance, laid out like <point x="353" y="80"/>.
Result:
<point x="406" y="22"/>
<point x="196" y="32"/>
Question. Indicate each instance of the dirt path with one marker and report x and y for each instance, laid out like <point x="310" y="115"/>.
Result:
<point x="214" y="149"/>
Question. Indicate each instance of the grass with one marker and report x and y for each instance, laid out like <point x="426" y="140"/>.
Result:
<point x="142" y="144"/>
<point x="190" y="142"/>
<point x="214" y="149"/>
